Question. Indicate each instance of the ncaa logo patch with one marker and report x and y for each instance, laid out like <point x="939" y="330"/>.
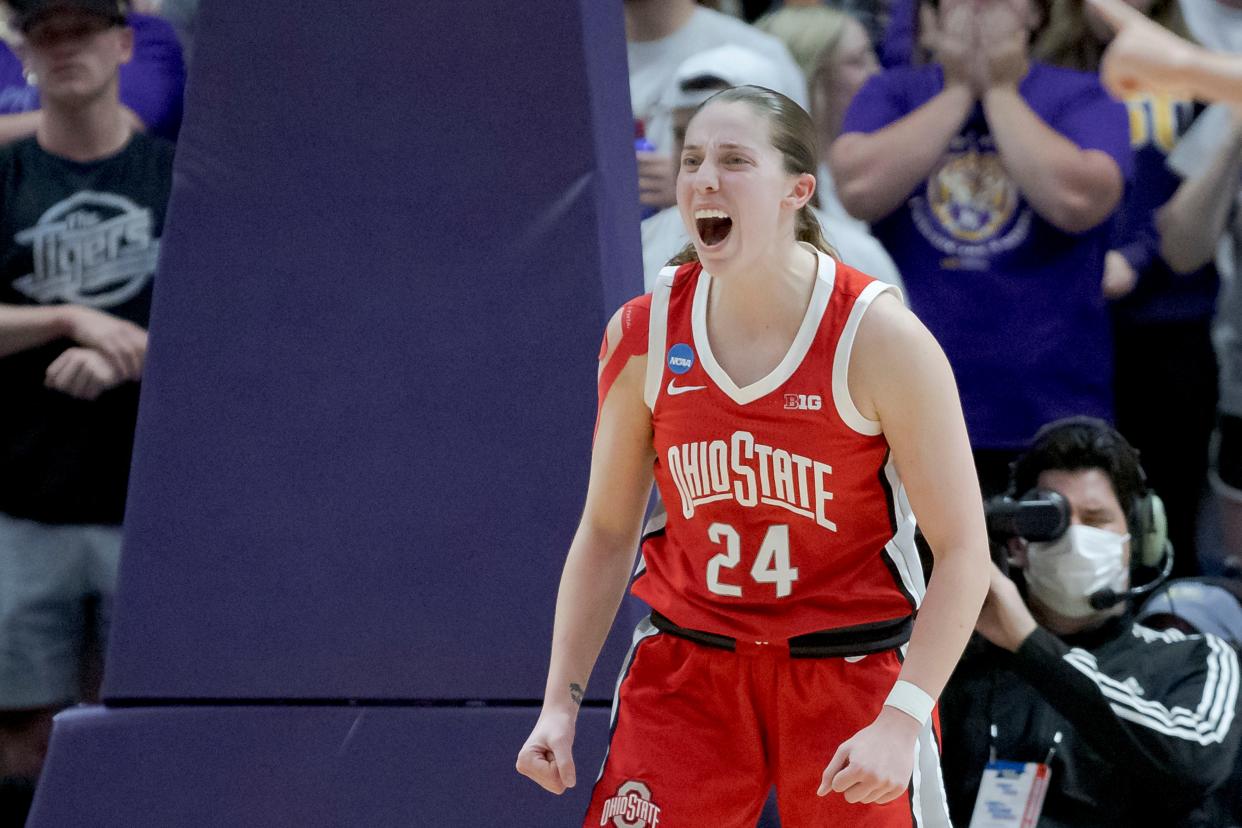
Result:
<point x="631" y="807"/>
<point x="680" y="358"/>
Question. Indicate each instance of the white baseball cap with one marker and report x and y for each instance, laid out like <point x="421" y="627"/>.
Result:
<point x="730" y="64"/>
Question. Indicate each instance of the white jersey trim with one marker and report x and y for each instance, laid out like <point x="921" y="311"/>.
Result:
<point x="825" y="277"/>
<point x="656" y="523"/>
<point x="901" y="549"/>
<point x="929" y="801"/>
<point x="849" y="412"/>
<point x="657" y="336"/>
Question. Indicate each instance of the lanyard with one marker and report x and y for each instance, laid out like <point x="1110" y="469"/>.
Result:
<point x="992" y="735"/>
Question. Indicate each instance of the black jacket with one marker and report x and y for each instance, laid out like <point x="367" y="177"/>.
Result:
<point x="1148" y="723"/>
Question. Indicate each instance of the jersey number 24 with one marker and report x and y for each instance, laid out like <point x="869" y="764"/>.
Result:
<point x="771" y="564"/>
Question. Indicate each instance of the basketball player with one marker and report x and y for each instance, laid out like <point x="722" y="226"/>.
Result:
<point x="775" y="400"/>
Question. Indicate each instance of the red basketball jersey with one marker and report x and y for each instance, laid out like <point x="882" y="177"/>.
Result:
<point x="783" y="513"/>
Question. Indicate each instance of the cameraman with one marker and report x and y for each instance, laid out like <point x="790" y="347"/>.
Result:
<point x="1135" y="726"/>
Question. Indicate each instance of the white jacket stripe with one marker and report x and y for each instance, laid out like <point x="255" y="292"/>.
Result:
<point x="1207" y="724"/>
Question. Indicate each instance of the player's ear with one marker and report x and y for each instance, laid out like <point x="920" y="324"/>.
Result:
<point x="802" y="188"/>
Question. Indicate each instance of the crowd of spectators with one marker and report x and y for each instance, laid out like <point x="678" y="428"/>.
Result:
<point x="1074" y="254"/>
<point x="90" y="105"/>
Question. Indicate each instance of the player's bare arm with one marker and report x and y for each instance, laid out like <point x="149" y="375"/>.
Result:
<point x="601" y="556"/>
<point x="899" y="376"/>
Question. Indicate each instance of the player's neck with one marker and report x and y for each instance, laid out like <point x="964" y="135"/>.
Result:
<point x="655" y="19"/>
<point x="84" y="132"/>
<point x="751" y="301"/>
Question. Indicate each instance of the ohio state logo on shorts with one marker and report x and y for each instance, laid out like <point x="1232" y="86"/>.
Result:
<point x="631" y="807"/>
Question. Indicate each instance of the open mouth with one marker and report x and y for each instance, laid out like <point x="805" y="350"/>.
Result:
<point x="713" y="226"/>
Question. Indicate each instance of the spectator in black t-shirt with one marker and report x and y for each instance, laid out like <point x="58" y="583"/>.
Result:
<point x="81" y="212"/>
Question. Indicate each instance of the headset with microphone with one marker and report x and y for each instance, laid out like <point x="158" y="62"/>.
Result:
<point x="1150" y="548"/>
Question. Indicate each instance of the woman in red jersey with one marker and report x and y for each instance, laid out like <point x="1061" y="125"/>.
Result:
<point x="795" y="417"/>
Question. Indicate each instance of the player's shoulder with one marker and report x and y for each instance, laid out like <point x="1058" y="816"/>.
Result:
<point x="848" y="280"/>
<point x="634" y="317"/>
<point x="628" y="329"/>
<point x="631" y="323"/>
<point x="886" y="327"/>
<point x="677" y="277"/>
<point x="855" y="285"/>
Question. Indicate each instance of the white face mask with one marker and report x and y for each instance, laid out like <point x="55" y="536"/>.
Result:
<point x="1065" y="573"/>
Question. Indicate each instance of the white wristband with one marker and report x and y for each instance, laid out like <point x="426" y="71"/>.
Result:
<point x="911" y="700"/>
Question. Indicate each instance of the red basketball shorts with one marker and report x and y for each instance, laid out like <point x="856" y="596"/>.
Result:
<point x="701" y="734"/>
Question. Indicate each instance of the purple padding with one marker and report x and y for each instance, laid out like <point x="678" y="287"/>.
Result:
<point x="396" y="234"/>
<point x="305" y="766"/>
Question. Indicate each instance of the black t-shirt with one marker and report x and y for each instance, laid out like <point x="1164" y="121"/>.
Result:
<point x="85" y="234"/>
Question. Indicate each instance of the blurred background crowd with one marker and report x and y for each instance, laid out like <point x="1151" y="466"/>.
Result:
<point x="1074" y="254"/>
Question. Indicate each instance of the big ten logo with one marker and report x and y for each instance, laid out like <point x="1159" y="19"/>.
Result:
<point x="803" y="402"/>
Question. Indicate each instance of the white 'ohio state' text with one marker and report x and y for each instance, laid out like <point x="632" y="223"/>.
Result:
<point x="750" y="473"/>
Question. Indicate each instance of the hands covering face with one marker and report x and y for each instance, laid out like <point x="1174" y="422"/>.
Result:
<point x="982" y="44"/>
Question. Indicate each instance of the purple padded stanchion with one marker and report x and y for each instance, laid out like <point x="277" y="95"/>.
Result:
<point x="396" y="235"/>
<point x="317" y="767"/>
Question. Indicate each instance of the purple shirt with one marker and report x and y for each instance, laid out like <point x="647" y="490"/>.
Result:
<point x="152" y="83"/>
<point x="1015" y="302"/>
<point x="898" y="44"/>
<point x="1160" y="296"/>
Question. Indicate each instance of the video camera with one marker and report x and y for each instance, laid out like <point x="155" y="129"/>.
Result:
<point x="1042" y="515"/>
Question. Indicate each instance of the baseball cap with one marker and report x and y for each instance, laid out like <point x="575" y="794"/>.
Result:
<point x="1206" y="607"/>
<point x="29" y="12"/>
<point x="730" y="64"/>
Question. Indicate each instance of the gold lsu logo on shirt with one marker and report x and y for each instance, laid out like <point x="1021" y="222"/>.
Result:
<point x="971" y="195"/>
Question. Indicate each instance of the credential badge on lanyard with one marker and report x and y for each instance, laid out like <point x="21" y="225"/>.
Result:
<point x="1011" y="794"/>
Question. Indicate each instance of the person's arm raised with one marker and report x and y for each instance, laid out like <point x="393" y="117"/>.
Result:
<point x="1145" y="57"/>
<point x="1191" y="223"/>
<point x="601" y="557"/>
<point x="875" y="172"/>
<point x="899" y="376"/>
<point x="1071" y="188"/>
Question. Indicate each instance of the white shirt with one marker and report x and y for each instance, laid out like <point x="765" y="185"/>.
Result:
<point x="654" y="62"/>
